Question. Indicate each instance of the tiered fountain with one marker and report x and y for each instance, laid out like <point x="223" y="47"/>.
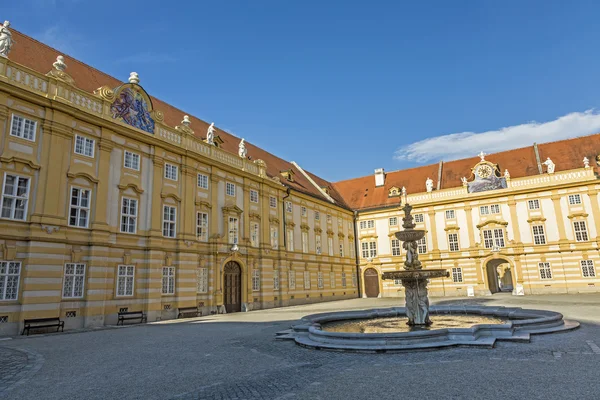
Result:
<point x="381" y="330"/>
<point x="414" y="277"/>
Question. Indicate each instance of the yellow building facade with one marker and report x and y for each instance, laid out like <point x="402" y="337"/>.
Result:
<point x="101" y="216"/>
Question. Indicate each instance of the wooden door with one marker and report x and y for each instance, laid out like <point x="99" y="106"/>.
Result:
<point x="371" y="283"/>
<point x="233" y="287"/>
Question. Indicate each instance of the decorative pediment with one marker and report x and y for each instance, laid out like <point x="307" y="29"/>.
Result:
<point x="318" y="230"/>
<point x="577" y="215"/>
<point x="164" y="195"/>
<point x="492" y="222"/>
<point x="330" y="232"/>
<point x="486" y="176"/>
<point x="80" y="174"/>
<point x="394" y="191"/>
<point x="11" y="158"/>
<point x="273" y="219"/>
<point x="233" y="209"/>
<point x="536" y="219"/>
<point x="288" y="174"/>
<point x="341" y="235"/>
<point x="132" y="105"/>
<point x="131" y="185"/>
<point x="452" y="228"/>
<point x="203" y="204"/>
<point x="290" y="223"/>
<point x="254" y="216"/>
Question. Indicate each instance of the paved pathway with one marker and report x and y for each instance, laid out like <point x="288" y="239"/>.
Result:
<point x="236" y="357"/>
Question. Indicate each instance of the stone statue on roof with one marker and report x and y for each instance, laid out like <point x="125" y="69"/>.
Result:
<point x="506" y="174"/>
<point x="429" y="185"/>
<point x="210" y="134"/>
<point x="403" y="191"/>
<point x="586" y="162"/>
<point x="551" y="166"/>
<point x="242" y="151"/>
<point x="464" y="181"/>
<point x="6" y="40"/>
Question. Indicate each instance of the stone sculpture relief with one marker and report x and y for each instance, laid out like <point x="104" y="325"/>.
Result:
<point x="210" y="134"/>
<point x="586" y="162"/>
<point x="6" y="40"/>
<point x="550" y="165"/>
<point x="242" y="151"/>
<point x="429" y="185"/>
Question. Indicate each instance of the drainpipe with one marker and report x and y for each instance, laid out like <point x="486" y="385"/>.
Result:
<point x="287" y="194"/>
<point x="356" y="254"/>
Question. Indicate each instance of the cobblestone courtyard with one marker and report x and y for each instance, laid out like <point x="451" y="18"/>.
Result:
<point x="237" y="357"/>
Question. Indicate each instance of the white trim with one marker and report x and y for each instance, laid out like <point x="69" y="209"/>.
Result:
<point x="85" y="141"/>
<point x="15" y="197"/>
<point x="22" y="130"/>
<point x="328" y="197"/>
<point x="133" y="157"/>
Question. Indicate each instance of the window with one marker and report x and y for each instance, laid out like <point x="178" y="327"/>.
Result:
<point x="169" y="225"/>
<point x="453" y="242"/>
<point x="288" y="206"/>
<point x="84" y="146"/>
<point x="332" y="279"/>
<point x="354" y="281"/>
<point x="581" y="234"/>
<point x="305" y="242"/>
<point x="233" y="230"/>
<point x="369" y="249"/>
<point x="292" y="279"/>
<point x="545" y="271"/>
<point x="73" y="281"/>
<point x="422" y="245"/>
<point x="276" y="280"/>
<point x="203" y="181"/>
<point x="318" y="243"/>
<point x="495" y="209"/>
<point x="171" y="171"/>
<point x="343" y="279"/>
<point x="329" y="219"/>
<point x="15" y="197"/>
<point x="168" y="280"/>
<point x="419" y="218"/>
<point x="533" y="204"/>
<point x="23" y="128"/>
<point x="394" y="221"/>
<point x="274" y="237"/>
<point x="395" y="247"/>
<point x="290" y="240"/>
<point x="253" y="196"/>
<point x="80" y="207"/>
<point x="319" y="280"/>
<point x="370" y="224"/>
<point x="202" y="280"/>
<point x="303" y="211"/>
<point x="493" y="237"/>
<point x="587" y="269"/>
<point x="330" y="246"/>
<point x="539" y="237"/>
<point x="9" y="280"/>
<point x="450" y="214"/>
<point x="255" y="280"/>
<point x="128" y="215"/>
<point x="202" y="226"/>
<point x="125" y="280"/>
<point x="352" y="250"/>
<point x="272" y="202"/>
<point x="254" y="232"/>
<point x="574" y="199"/>
<point x="341" y="250"/>
<point x="230" y="189"/>
<point x="317" y="216"/>
<point x="340" y="223"/>
<point x="484" y="210"/>
<point x="306" y="279"/>
<point x="131" y="160"/>
<point x="457" y="275"/>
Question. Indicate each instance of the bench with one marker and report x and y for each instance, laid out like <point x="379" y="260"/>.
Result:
<point x="127" y="315"/>
<point x="189" y="312"/>
<point x="35" y="323"/>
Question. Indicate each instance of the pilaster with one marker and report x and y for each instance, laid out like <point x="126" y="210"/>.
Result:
<point x="158" y="164"/>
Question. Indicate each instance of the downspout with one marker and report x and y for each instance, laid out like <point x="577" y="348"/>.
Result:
<point x="356" y="259"/>
<point x="287" y="194"/>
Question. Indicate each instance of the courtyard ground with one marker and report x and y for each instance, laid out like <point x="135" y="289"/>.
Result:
<point x="236" y="356"/>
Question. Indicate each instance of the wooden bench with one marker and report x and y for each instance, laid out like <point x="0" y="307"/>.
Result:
<point x="127" y="315"/>
<point x="35" y="323"/>
<point x="188" y="312"/>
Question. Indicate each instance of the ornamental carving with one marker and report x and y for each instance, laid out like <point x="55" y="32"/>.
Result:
<point x="131" y="108"/>
<point x="486" y="177"/>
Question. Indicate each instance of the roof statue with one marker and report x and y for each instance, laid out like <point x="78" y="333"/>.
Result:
<point x="506" y="174"/>
<point x="464" y="181"/>
<point x="403" y="191"/>
<point x="210" y="134"/>
<point x="482" y="156"/>
<point x="242" y="151"/>
<point x="134" y="78"/>
<point x="551" y="166"/>
<point x="429" y="185"/>
<point x="186" y="120"/>
<point x="586" y="162"/>
<point x="59" y="64"/>
<point x="6" y="40"/>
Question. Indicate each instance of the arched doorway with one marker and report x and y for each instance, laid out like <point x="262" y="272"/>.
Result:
<point x="499" y="275"/>
<point x="371" y="282"/>
<point x="232" y="282"/>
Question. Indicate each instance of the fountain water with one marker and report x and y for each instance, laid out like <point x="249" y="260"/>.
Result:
<point x="414" y="277"/>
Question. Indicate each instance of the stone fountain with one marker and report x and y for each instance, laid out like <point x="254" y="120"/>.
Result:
<point x="414" y="277"/>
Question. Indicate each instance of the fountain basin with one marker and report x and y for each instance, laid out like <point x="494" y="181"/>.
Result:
<point x="420" y="274"/>
<point x="410" y="235"/>
<point x="520" y="325"/>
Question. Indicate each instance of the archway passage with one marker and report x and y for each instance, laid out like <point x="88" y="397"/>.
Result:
<point x="371" y="282"/>
<point x="232" y="280"/>
<point x="499" y="276"/>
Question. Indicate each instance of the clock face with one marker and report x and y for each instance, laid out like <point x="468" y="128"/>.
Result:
<point x="484" y="171"/>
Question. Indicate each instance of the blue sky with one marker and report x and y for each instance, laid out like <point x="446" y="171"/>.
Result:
<point x="344" y="87"/>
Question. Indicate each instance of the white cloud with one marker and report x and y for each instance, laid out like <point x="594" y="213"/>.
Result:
<point x="467" y="144"/>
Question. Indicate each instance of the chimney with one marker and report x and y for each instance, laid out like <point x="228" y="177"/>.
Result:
<point x="379" y="177"/>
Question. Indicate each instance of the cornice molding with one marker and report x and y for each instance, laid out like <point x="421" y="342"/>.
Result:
<point x="492" y="221"/>
<point x="171" y="195"/>
<point x="130" y="185"/>
<point x="73" y="175"/>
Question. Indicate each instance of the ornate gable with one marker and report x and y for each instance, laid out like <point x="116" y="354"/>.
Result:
<point x="486" y="177"/>
<point x="132" y="105"/>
